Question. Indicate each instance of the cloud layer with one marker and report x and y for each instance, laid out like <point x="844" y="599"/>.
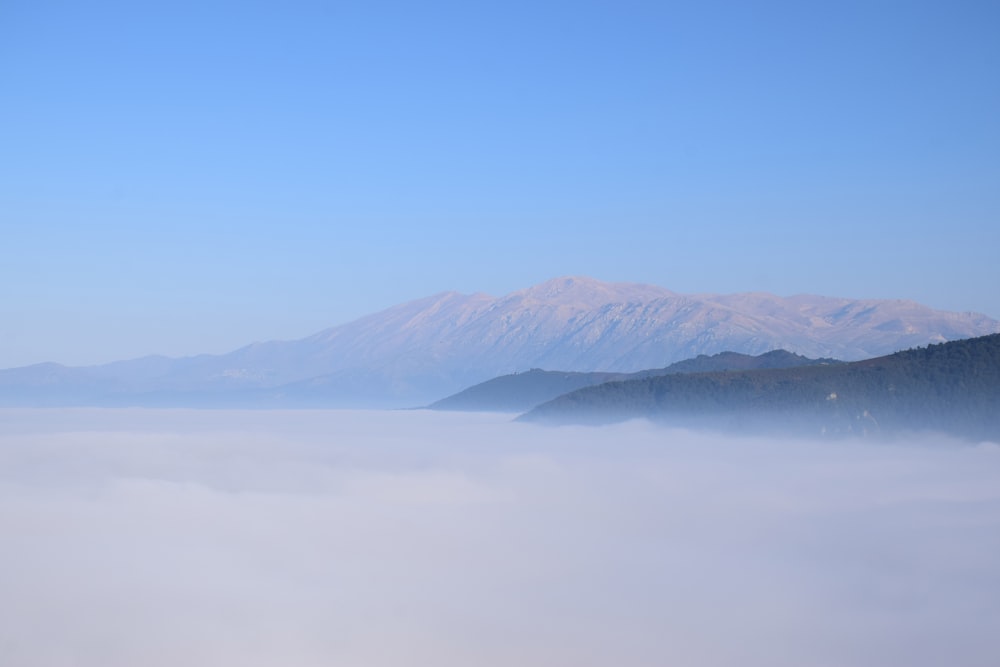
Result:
<point x="416" y="538"/>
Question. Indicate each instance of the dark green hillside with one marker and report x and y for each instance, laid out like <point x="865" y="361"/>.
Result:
<point x="734" y="361"/>
<point x="522" y="391"/>
<point x="952" y="387"/>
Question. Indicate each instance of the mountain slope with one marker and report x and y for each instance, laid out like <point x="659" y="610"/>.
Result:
<point x="952" y="387"/>
<point x="518" y="392"/>
<point x="418" y="351"/>
<point x="522" y="391"/>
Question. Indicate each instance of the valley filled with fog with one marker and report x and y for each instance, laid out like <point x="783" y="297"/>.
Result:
<point x="384" y="538"/>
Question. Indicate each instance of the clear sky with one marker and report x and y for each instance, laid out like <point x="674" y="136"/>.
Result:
<point x="189" y="177"/>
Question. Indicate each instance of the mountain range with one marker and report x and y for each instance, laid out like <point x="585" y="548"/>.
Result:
<point x="419" y="351"/>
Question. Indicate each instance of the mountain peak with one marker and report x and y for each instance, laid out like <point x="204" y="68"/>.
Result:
<point x="584" y="290"/>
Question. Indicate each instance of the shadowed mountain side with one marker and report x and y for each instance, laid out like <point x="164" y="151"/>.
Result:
<point x="950" y="387"/>
<point x="735" y="361"/>
<point x="521" y="391"/>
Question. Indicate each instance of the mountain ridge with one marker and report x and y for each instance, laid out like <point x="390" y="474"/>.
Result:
<point x="518" y="392"/>
<point x="951" y="387"/>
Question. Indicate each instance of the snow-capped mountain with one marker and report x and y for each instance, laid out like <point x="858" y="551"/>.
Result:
<point x="428" y="348"/>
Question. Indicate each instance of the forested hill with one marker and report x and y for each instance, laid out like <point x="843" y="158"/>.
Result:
<point x="734" y="361"/>
<point x="522" y="391"/>
<point x="950" y="387"/>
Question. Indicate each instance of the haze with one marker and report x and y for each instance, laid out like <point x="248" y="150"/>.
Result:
<point x="418" y="538"/>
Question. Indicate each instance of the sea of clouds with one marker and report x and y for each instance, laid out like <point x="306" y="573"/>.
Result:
<point x="369" y="539"/>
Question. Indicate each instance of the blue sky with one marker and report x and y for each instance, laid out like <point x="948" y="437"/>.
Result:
<point x="188" y="177"/>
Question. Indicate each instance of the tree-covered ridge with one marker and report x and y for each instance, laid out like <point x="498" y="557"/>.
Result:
<point x="952" y="387"/>
<point x="735" y="361"/>
<point x="522" y="391"/>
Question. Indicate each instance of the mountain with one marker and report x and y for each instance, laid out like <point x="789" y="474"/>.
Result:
<point x="518" y="392"/>
<point x="949" y="387"/>
<point x="418" y="351"/>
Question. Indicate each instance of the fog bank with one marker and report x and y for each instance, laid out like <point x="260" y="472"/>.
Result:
<point x="167" y="537"/>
